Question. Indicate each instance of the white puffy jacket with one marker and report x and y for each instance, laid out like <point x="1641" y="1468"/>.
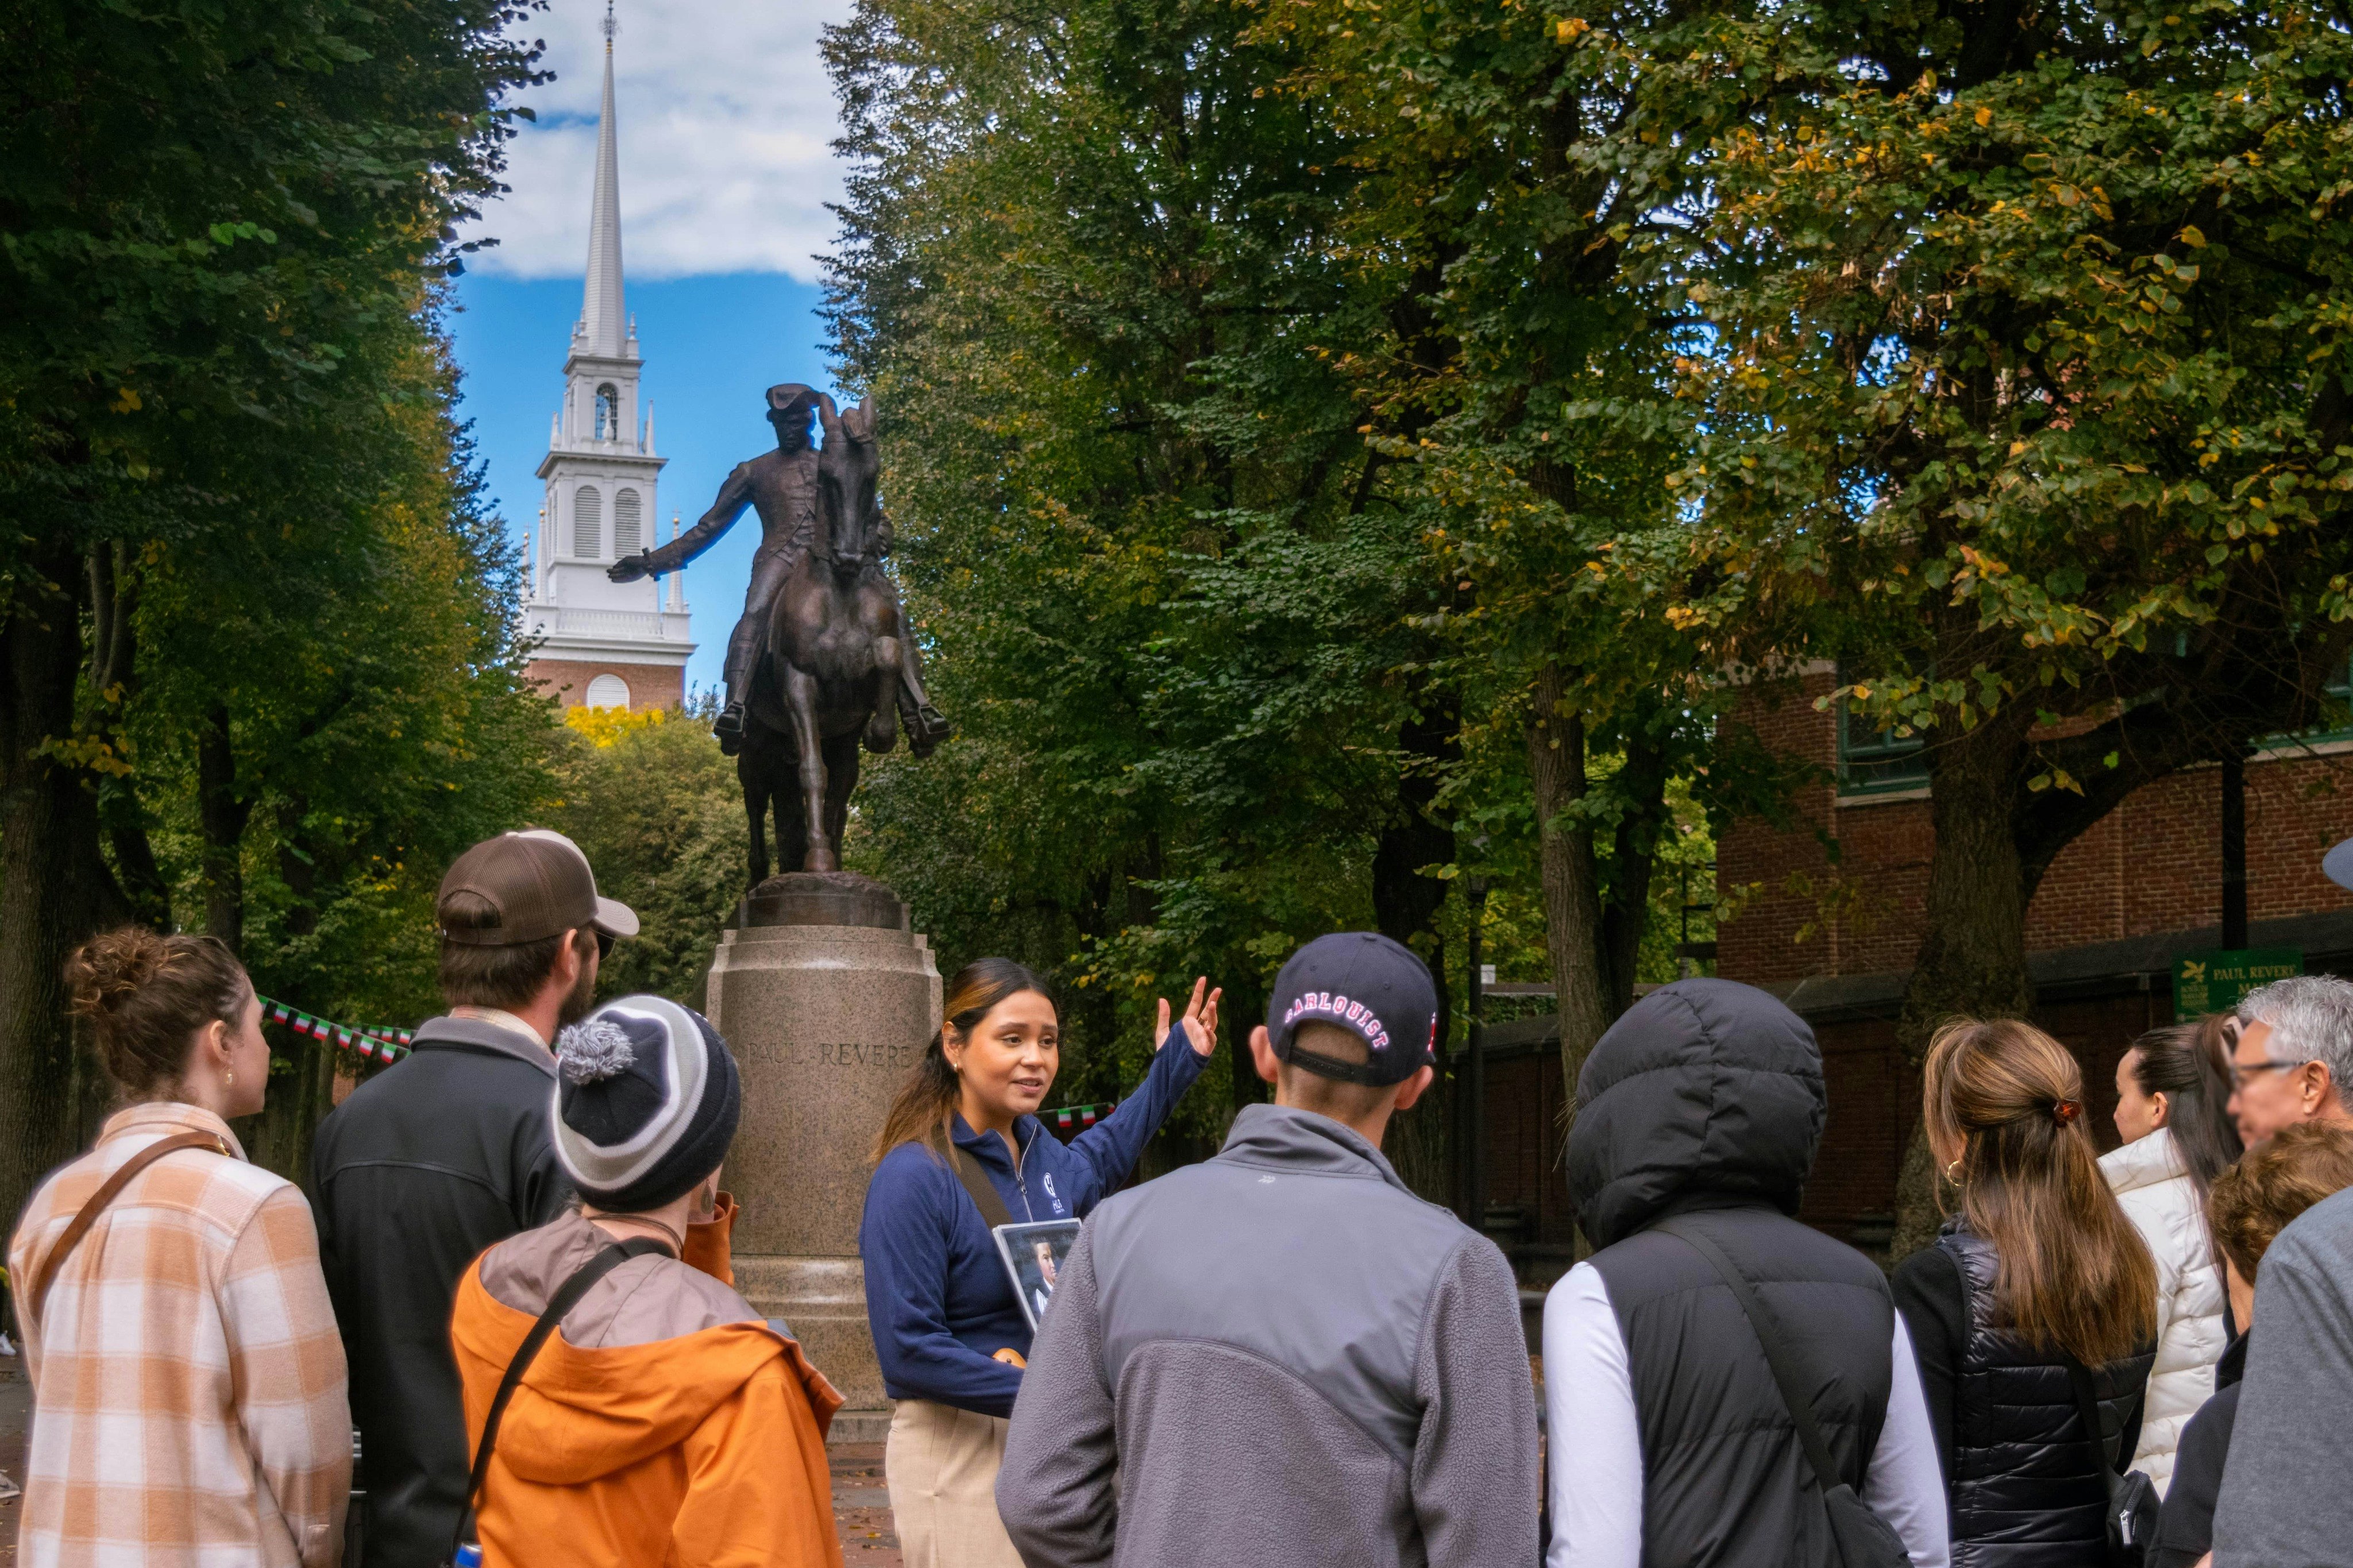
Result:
<point x="2153" y="1187"/>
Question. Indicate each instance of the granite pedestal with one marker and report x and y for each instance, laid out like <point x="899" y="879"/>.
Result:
<point x="828" y="999"/>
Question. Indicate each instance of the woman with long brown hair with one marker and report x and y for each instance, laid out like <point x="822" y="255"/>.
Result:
<point x="2036" y="1281"/>
<point x="2173" y="1096"/>
<point x="962" y="1152"/>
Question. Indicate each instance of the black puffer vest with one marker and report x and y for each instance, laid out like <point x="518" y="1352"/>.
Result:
<point x="1723" y="1480"/>
<point x="1706" y="1099"/>
<point x="2026" y="1490"/>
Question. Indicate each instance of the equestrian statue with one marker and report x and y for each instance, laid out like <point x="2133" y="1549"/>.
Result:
<point x="822" y="661"/>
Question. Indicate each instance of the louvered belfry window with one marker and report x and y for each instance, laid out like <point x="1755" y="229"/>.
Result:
<point x="588" y="523"/>
<point x="626" y="538"/>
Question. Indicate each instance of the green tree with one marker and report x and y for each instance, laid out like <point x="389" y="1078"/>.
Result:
<point x="325" y="710"/>
<point x="660" y="814"/>
<point x="1086" y="275"/>
<point x="207" y="216"/>
<point x="2025" y="398"/>
<point x="1525" y="399"/>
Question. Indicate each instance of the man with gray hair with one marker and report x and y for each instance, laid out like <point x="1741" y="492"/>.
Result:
<point x="2294" y="1055"/>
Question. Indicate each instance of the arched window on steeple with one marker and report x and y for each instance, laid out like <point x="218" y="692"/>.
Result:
<point x="588" y="523"/>
<point x="608" y="413"/>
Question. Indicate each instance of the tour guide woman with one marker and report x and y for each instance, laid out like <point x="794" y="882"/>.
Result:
<point x="947" y="1327"/>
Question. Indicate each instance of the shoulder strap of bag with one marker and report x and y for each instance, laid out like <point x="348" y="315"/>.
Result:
<point x="107" y="1194"/>
<point x="2088" y="1404"/>
<point x="567" y="1296"/>
<point x="993" y="1212"/>
<point x="1777" y="1354"/>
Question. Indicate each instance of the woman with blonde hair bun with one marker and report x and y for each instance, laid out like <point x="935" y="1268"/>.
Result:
<point x="2038" y="1299"/>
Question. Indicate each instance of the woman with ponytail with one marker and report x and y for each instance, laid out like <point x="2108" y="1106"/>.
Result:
<point x="963" y="1138"/>
<point x="188" y="1393"/>
<point x="2037" y="1279"/>
<point x="2173" y="1096"/>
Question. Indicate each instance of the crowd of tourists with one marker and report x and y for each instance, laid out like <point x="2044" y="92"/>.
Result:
<point x="510" y="1293"/>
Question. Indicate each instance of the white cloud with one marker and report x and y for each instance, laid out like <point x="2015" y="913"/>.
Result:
<point x="726" y="119"/>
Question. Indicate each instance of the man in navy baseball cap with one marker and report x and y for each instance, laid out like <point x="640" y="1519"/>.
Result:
<point x="1360" y="983"/>
<point x="1376" y="1339"/>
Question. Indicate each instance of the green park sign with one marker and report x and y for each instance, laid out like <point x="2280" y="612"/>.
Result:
<point x="2212" y="982"/>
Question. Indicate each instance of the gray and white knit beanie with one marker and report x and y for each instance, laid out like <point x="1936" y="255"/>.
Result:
<point x="647" y="1100"/>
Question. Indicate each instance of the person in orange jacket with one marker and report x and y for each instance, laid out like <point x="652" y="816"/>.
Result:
<point x="663" y="1422"/>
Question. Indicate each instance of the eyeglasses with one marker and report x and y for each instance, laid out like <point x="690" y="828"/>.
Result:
<point x="2240" y="1072"/>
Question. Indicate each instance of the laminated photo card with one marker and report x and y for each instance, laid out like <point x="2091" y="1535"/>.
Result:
<point x="1034" y="1255"/>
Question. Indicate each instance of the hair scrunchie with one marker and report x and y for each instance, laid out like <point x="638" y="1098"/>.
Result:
<point x="2064" y="1111"/>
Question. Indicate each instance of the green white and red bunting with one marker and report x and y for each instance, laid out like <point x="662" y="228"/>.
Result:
<point x="1077" y="1118"/>
<point x="372" y="1043"/>
<point x="385" y="1044"/>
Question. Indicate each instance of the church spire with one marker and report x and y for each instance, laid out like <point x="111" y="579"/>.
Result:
<point x="603" y="327"/>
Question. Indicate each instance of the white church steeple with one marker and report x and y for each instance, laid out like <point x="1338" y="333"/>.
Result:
<point x="601" y="329"/>
<point x="603" y="643"/>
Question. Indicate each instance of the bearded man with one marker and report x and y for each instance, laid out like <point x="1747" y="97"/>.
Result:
<point x="428" y="1163"/>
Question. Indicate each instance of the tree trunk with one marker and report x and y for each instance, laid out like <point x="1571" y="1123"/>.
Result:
<point x="1642" y="783"/>
<point x="113" y="673"/>
<point x="55" y="888"/>
<point x="1972" y="958"/>
<point x="1406" y="905"/>
<point x="223" y="816"/>
<point x="1572" y="903"/>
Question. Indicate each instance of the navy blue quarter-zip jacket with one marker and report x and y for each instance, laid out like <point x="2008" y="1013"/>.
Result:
<point x="937" y="1297"/>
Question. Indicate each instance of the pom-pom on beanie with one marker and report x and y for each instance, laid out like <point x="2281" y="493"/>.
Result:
<point x="647" y="1098"/>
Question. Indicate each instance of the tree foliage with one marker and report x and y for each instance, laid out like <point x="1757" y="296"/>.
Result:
<point x="254" y="671"/>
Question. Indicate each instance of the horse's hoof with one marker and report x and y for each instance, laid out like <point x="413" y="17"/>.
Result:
<point x="820" y="859"/>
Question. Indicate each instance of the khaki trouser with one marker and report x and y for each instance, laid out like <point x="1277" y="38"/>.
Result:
<point x="941" y="1466"/>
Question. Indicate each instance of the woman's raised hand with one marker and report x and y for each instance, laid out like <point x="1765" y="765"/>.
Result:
<point x="1200" y="1018"/>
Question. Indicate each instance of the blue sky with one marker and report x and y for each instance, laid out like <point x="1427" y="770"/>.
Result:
<point x="725" y="120"/>
<point x="712" y="346"/>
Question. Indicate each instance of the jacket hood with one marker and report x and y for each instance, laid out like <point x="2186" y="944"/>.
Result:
<point x="2144" y="1163"/>
<point x="580" y="1415"/>
<point x="1704" y="1088"/>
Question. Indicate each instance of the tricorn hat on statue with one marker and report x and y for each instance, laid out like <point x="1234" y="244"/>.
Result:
<point x="790" y="398"/>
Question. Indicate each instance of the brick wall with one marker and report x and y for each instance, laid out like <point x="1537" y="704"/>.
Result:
<point x="2153" y="864"/>
<point x="651" y="685"/>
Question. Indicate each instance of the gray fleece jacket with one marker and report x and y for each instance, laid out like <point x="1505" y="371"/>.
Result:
<point x="2287" y="1487"/>
<point x="1278" y="1357"/>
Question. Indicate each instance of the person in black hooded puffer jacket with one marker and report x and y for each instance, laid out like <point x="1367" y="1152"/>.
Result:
<point x="1671" y="1442"/>
<point x="2040" y="1274"/>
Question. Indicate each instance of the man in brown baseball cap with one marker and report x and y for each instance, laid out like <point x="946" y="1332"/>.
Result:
<point x="435" y="1160"/>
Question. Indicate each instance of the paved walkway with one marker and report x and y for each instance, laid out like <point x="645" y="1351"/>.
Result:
<point x="861" y="1507"/>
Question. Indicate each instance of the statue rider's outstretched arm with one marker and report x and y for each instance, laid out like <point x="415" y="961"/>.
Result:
<point x="734" y="495"/>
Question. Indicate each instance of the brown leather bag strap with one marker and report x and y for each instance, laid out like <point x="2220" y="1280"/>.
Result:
<point x="982" y="1192"/>
<point x="80" y="1224"/>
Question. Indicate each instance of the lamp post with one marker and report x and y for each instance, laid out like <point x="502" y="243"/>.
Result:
<point x="1474" y="1076"/>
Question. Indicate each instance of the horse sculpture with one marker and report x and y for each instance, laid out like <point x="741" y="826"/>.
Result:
<point x="829" y="681"/>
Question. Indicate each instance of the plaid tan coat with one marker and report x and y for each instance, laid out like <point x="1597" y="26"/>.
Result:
<point x="188" y="1404"/>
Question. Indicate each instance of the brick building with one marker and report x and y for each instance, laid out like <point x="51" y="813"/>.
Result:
<point x="1835" y="941"/>
<point x="2141" y="889"/>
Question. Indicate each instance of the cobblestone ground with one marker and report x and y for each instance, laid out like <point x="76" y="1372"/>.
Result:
<point x="861" y="1507"/>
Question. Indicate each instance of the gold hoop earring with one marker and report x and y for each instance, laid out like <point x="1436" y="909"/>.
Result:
<point x="1953" y="1172"/>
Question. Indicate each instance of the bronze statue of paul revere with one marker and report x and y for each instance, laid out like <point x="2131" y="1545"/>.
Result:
<point x="822" y="661"/>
